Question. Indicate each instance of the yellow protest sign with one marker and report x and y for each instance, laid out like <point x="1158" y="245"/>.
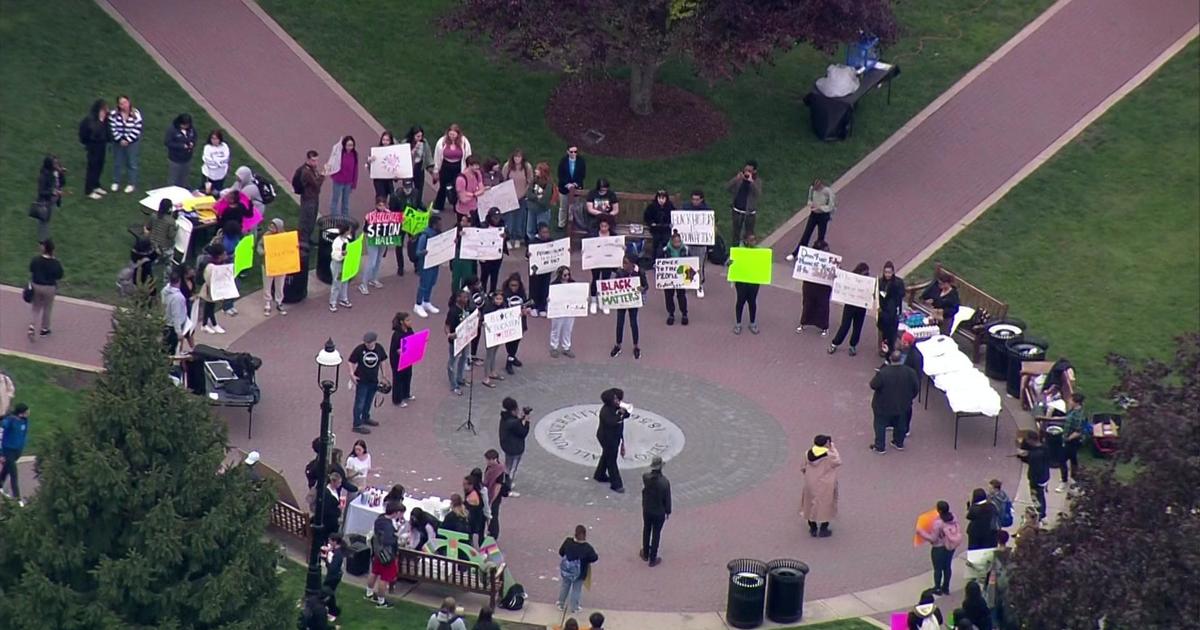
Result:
<point x="281" y="253"/>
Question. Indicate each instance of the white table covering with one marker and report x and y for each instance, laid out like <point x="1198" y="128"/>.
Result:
<point x="360" y="517"/>
<point x="967" y="389"/>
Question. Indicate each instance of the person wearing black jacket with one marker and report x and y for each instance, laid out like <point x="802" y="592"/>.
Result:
<point x="657" y="218"/>
<point x="45" y="271"/>
<point x="330" y="508"/>
<point x="1037" y="462"/>
<point x="629" y="269"/>
<point x="895" y="386"/>
<point x="407" y="195"/>
<point x="513" y="431"/>
<point x="335" y="560"/>
<point x="401" y="378"/>
<point x="656" y="509"/>
<point x="51" y="179"/>
<point x="891" y="302"/>
<point x="94" y="136"/>
<point x="981" y="521"/>
<point x="180" y="141"/>
<point x="852" y="320"/>
<point x="611" y="434"/>
<point x="384" y="543"/>
<point x="573" y="550"/>
<point x="572" y="171"/>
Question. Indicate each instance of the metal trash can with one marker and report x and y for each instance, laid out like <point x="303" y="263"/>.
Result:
<point x="785" y="590"/>
<point x="747" y="593"/>
<point x="999" y="333"/>
<point x="1019" y="351"/>
<point x="327" y="229"/>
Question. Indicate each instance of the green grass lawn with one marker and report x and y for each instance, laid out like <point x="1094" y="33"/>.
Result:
<point x="1097" y="250"/>
<point x="50" y="79"/>
<point x="398" y="68"/>
<point x="54" y="394"/>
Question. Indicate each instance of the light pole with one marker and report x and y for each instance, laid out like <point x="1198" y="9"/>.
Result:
<point x="329" y="362"/>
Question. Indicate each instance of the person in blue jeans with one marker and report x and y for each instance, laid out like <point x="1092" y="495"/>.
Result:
<point x="576" y="556"/>
<point x="366" y="358"/>
<point x="457" y="363"/>
<point x="15" y="428"/>
<point x="428" y="277"/>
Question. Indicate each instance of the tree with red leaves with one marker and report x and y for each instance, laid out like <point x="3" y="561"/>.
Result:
<point x="720" y="37"/>
<point x="1127" y="553"/>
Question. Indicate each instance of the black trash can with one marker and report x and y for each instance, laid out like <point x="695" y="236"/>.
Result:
<point x="327" y="230"/>
<point x="295" y="285"/>
<point x="747" y="593"/>
<point x="358" y="556"/>
<point x="785" y="590"/>
<point x="999" y="333"/>
<point x="1019" y="351"/>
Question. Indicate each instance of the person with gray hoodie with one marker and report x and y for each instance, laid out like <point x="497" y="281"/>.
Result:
<point x="447" y="616"/>
<point x="244" y="183"/>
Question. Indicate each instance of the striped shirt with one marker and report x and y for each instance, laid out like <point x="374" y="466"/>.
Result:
<point x="127" y="129"/>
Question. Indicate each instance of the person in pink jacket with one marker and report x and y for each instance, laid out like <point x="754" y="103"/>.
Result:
<point x="345" y="179"/>
<point x="469" y="186"/>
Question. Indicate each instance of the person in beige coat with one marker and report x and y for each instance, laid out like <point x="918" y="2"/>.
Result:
<point x="818" y="501"/>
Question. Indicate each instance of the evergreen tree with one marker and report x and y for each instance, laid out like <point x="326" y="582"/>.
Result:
<point x="133" y="524"/>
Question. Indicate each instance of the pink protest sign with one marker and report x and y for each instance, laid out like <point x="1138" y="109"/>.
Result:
<point x="899" y="621"/>
<point x="412" y="349"/>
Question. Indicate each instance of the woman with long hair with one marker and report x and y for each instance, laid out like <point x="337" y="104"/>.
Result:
<point x="852" y="319"/>
<point x="521" y="174"/>
<point x="538" y="200"/>
<point x="515" y="295"/>
<point x="814" y="301"/>
<point x="448" y="155"/>
<point x="358" y="466"/>
<point x="495" y="302"/>
<point x="489" y="270"/>
<point x="180" y="141"/>
<point x="386" y="186"/>
<point x="51" y="179"/>
<point x="345" y="180"/>
<point x="561" y="327"/>
<point x="422" y="159"/>
<point x="401" y="377"/>
<point x="125" y="124"/>
<point x="94" y="136"/>
<point x="747" y="295"/>
<point x="629" y="269"/>
<point x="891" y="302"/>
<point x="468" y="186"/>
<point x="44" y="273"/>
<point x="943" y="537"/>
<point x="215" y="158"/>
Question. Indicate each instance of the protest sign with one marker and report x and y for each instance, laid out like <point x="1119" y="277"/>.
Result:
<point x="183" y="235"/>
<point x="568" y="300"/>
<point x="482" y="244"/>
<point x="440" y="248"/>
<point x="334" y="163"/>
<point x="391" y="162"/>
<point x="221" y="284"/>
<point x="603" y="252"/>
<point x="243" y="254"/>
<point x="502" y="196"/>
<point x="751" y="265"/>
<point x="384" y="228"/>
<point x="412" y="349"/>
<point x="677" y="273"/>
<point x="620" y="293"/>
<point x="853" y="289"/>
<point x="353" y="259"/>
<point x="548" y="257"/>
<point x="281" y="253"/>
<point x="415" y="221"/>
<point x="502" y="326"/>
<point x="465" y="332"/>
<point x="695" y="227"/>
<point x="814" y="265"/>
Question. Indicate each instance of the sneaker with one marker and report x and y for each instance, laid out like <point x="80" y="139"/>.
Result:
<point x="700" y="292"/>
<point x="754" y="328"/>
<point x="655" y="562"/>
<point x="517" y="362"/>
<point x="282" y="311"/>
<point x="371" y="422"/>
<point x="94" y="195"/>
<point x="567" y="353"/>
<point x="508" y="367"/>
<point x="592" y="308"/>
<point x="362" y="430"/>
<point x="267" y="312"/>
<point x="553" y="353"/>
<point x="872" y="447"/>
<point x="345" y="304"/>
<point x="853" y="351"/>
<point x="670" y="320"/>
<point x="377" y="284"/>
<point x="514" y="493"/>
<point x="737" y="329"/>
<point x="206" y="328"/>
<point x="457" y="391"/>
<point x="683" y="321"/>
<point x="533" y="313"/>
<point x="129" y="188"/>
<point x="1061" y="487"/>
<point x="115" y="186"/>
<point x="898" y="447"/>
<point x="615" y="351"/>
<point x="791" y="257"/>
<point x="101" y="191"/>
<point x="333" y="308"/>
<point x="364" y="290"/>
<point x="231" y="311"/>
<point x="403" y="404"/>
<point x="45" y="332"/>
<point x="637" y="352"/>
<point x="382" y="603"/>
<point x="832" y="348"/>
<point x="542" y="314"/>
<point x="620" y="490"/>
<point x="799" y="330"/>
<point x="824" y="331"/>
<point x="32" y="332"/>
<point x="431" y="308"/>
<point x="217" y="329"/>
<point x="420" y="310"/>
<point x="606" y="310"/>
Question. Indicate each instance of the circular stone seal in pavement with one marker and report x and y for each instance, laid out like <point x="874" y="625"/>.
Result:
<point x="570" y="433"/>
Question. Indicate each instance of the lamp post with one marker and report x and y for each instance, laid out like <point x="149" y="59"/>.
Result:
<point x="329" y="362"/>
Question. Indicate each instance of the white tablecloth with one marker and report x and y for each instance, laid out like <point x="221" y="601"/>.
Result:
<point x="360" y="517"/>
<point x="967" y="389"/>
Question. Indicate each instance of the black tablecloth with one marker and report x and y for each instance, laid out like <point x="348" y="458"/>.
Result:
<point x="833" y="118"/>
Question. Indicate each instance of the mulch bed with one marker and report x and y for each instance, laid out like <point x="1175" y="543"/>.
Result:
<point x="682" y="122"/>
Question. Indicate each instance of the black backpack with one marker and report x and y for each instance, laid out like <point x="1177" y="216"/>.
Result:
<point x="514" y="599"/>
<point x="266" y="188"/>
<point x="298" y="181"/>
<point x="505" y="484"/>
<point x="719" y="252"/>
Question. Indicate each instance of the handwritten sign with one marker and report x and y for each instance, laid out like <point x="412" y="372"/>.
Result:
<point x="440" y="248"/>
<point x="415" y="221"/>
<point x="502" y="326"/>
<point x="353" y="260"/>
<point x="620" y="293"/>
<point x="814" y="265"/>
<point x="391" y="162"/>
<point x="603" y="252"/>
<point x="412" y="349"/>
<point x="569" y="299"/>
<point x="502" y="196"/>
<point x="853" y="289"/>
<point x="281" y="253"/>
<point x="548" y="257"/>
<point x="384" y="228"/>
<point x="334" y="163"/>
<point x="482" y="244"/>
<point x="221" y="283"/>
<point x="677" y="273"/>
<point x="695" y="227"/>
<point x="465" y="332"/>
<point x="750" y="265"/>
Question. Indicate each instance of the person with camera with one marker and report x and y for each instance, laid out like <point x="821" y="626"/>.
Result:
<point x="366" y="357"/>
<point x="611" y="434"/>
<point x="746" y="188"/>
<point x="513" y="431"/>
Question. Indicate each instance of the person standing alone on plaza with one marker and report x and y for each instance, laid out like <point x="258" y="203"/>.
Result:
<point x="367" y="359"/>
<point x="746" y="188"/>
<point x="44" y="273"/>
<point x="896" y="386"/>
<point x="513" y="431"/>
<point x="611" y="435"/>
<point x="576" y="557"/>
<point x="821" y="204"/>
<point x="656" y="509"/>
<point x="14" y="431"/>
<point x="180" y="141"/>
<point x="819" y="499"/>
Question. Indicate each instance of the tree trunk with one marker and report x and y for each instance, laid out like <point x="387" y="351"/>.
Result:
<point x="641" y="87"/>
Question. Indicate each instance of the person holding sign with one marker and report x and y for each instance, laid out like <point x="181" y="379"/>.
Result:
<point x="852" y="318"/>
<point x="462" y="268"/>
<point x="214" y="255"/>
<point x="428" y="275"/>
<point x="401" y="377"/>
<point x="495" y="303"/>
<point x="561" y="327"/>
<point x="514" y="294"/>
<point x="339" y="290"/>
<point x="814" y="303"/>
<point x="377" y="227"/>
<point x="676" y="249"/>
<point x="406" y="199"/>
<point x="539" y="279"/>
<point x="457" y="363"/>
<point x="747" y="295"/>
<point x="604" y="227"/>
<point x="697" y="203"/>
<point x="272" y="285"/>
<point x="629" y="269"/>
<point x="821" y="204"/>
<point x="383" y="187"/>
<point x="490" y="269"/>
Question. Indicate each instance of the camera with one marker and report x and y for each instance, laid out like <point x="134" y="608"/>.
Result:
<point x="526" y="410"/>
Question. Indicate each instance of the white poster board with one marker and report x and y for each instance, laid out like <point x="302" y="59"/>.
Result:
<point x="391" y="162"/>
<point x="502" y="326"/>
<point x="334" y="163"/>
<point x="814" y="265"/>
<point x="695" y="227"/>
<point x="677" y="273"/>
<point x="222" y="285"/>
<point x="603" y="252"/>
<point x="568" y="300"/>
<point x="465" y="332"/>
<point x="502" y="196"/>
<point x="176" y="194"/>
<point x="619" y="293"/>
<point x="183" y="235"/>
<point x="548" y="257"/>
<point x="853" y="289"/>
<point x="482" y="244"/>
<point x="440" y="248"/>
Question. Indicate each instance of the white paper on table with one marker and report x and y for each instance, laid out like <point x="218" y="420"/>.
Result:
<point x="482" y="244"/>
<point x="853" y="289"/>
<point x="334" y="163"/>
<point x="183" y="234"/>
<point x="603" y="252"/>
<point x="548" y="257"/>
<point x="440" y="248"/>
<point x="695" y="227"/>
<point x="176" y="194"/>
<point x="814" y="265"/>
<point x="502" y="196"/>
<point x="391" y="162"/>
<point x="502" y="326"/>
<point x="466" y="332"/>
<point x="568" y="300"/>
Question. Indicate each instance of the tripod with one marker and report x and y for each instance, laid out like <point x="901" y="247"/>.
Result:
<point x="467" y="424"/>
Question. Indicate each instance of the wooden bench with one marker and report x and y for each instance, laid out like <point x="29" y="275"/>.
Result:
<point x="631" y="205"/>
<point x="421" y="567"/>
<point x="987" y="309"/>
<point x="290" y="521"/>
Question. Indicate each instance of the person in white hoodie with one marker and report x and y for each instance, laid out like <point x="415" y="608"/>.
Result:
<point x="447" y="613"/>
<point x="216" y="162"/>
<point x="926" y="615"/>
